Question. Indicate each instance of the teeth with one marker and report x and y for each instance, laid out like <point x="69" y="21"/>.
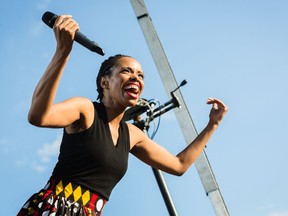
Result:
<point x="134" y="87"/>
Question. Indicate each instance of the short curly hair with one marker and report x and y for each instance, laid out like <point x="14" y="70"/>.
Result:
<point x="106" y="70"/>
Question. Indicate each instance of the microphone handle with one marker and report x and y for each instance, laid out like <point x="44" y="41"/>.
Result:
<point x="89" y="44"/>
<point x="49" y="19"/>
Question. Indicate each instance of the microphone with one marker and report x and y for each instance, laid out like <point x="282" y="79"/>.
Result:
<point x="142" y="106"/>
<point x="175" y="100"/>
<point x="49" y="19"/>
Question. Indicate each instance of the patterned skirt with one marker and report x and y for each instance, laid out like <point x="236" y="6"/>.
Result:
<point x="63" y="198"/>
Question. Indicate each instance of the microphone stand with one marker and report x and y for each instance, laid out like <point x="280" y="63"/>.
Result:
<point x="144" y="126"/>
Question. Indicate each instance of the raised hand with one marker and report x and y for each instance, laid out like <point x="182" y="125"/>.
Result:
<point x="218" y="110"/>
<point x="64" y="30"/>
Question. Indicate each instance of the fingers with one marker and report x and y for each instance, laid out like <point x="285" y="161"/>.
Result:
<point x="64" y="30"/>
<point x="218" y="111"/>
<point x="60" y="19"/>
<point x="66" y="22"/>
<point x="217" y="104"/>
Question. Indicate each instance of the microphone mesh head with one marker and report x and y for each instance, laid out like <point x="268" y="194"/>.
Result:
<point x="49" y="18"/>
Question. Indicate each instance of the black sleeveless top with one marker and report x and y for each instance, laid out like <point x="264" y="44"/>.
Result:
<point x="90" y="159"/>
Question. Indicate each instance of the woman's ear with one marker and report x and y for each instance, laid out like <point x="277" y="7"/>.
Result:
<point x="104" y="83"/>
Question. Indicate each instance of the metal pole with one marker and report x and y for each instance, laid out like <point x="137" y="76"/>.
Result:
<point x="183" y="116"/>
<point x="164" y="191"/>
<point x="163" y="186"/>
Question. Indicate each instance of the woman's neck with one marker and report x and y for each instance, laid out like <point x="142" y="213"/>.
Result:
<point x="115" y="112"/>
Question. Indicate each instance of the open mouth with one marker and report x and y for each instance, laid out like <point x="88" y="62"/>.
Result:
<point x="132" y="90"/>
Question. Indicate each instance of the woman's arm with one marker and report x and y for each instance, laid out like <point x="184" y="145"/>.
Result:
<point x="158" y="157"/>
<point x="43" y="112"/>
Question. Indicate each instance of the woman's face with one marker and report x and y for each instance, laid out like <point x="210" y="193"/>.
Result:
<point x="126" y="82"/>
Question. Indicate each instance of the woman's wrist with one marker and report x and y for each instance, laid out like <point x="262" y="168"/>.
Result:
<point x="212" y="125"/>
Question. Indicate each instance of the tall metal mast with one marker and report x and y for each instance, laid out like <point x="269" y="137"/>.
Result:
<point x="183" y="117"/>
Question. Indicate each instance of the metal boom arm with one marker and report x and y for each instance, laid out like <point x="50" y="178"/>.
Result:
<point x="183" y="117"/>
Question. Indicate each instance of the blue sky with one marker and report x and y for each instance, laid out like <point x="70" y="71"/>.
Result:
<point x="233" y="50"/>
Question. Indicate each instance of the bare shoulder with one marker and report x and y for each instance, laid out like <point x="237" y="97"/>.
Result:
<point x="81" y="104"/>
<point x="84" y="103"/>
<point x="83" y="110"/>
<point x="137" y="136"/>
<point x="79" y="100"/>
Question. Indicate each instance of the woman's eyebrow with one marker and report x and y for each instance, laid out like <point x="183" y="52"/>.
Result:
<point x="131" y="69"/>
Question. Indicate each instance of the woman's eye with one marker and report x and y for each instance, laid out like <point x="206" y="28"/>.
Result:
<point x="141" y="76"/>
<point x="126" y="70"/>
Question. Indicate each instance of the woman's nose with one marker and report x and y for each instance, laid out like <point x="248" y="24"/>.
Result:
<point x="133" y="77"/>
